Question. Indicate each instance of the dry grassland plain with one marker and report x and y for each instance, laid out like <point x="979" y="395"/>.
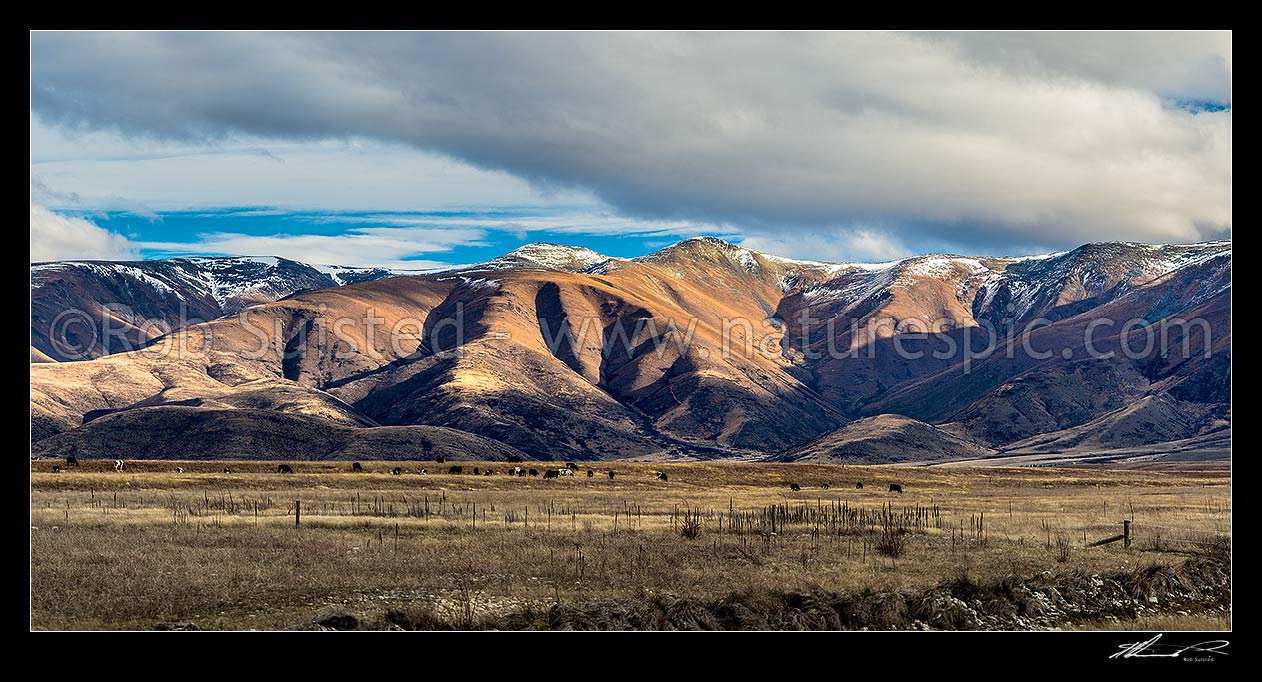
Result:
<point x="131" y="549"/>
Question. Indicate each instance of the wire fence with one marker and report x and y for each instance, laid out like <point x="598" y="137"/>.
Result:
<point x="1181" y="528"/>
<point x="1193" y="536"/>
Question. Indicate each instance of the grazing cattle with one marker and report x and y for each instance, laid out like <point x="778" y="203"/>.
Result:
<point x="72" y="461"/>
<point x="571" y="466"/>
<point x="397" y="471"/>
<point x="794" y="487"/>
<point x="661" y="475"/>
<point x="226" y="470"/>
<point x="552" y="473"/>
<point x="56" y="469"/>
<point x="488" y="472"/>
<point x="516" y="471"/>
<point x="284" y="469"/>
<point x="858" y="486"/>
<point x="424" y="471"/>
<point x="477" y="471"/>
<point x="534" y="472"/>
<point x="611" y="475"/>
<point x="357" y="467"/>
<point x="896" y="488"/>
<point x="179" y="470"/>
<point x="514" y="459"/>
<point x="824" y="486"/>
<point x="567" y="472"/>
<point x="455" y="469"/>
<point x="440" y="459"/>
<point x="119" y="465"/>
<point x="590" y="473"/>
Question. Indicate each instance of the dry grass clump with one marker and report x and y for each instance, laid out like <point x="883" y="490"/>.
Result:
<point x="1010" y="602"/>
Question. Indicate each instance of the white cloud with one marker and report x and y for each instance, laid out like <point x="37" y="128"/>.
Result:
<point x="361" y="246"/>
<point x="556" y="221"/>
<point x="104" y="170"/>
<point x="982" y="140"/>
<point x="399" y="235"/>
<point x="841" y="246"/>
<point x="56" y="237"/>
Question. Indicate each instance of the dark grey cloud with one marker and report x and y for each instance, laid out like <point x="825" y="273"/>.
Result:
<point x="975" y="139"/>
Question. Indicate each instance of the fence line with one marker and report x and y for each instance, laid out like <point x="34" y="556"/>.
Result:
<point x="1191" y="542"/>
<point x="1186" y="530"/>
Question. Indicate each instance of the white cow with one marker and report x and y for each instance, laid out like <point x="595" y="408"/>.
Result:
<point x="118" y="465"/>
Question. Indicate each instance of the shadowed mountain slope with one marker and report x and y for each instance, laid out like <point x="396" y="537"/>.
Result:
<point x="885" y="439"/>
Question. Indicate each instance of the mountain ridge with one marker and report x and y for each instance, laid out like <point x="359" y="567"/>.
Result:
<point x="568" y="353"/>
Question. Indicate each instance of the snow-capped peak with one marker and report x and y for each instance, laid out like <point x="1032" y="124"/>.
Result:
<point x="223" y="262"/>
<point x="345" y="274"/>
<point x="545" y="255"/>
<point x="231" y="282"/>
<point x="940" y="265"/>
<point x="704" y="247"/>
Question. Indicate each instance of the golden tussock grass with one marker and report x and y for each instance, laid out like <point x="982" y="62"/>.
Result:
<point x="130" y="549"/>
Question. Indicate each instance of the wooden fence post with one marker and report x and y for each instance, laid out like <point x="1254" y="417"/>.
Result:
<point x="1125" y="537"/>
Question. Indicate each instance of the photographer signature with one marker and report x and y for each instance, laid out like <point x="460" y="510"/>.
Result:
<point x="1151" y="649"/>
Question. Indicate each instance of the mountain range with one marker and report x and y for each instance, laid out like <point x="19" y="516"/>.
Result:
<point x="140" y="298"/>
<point x="704" y="349"/>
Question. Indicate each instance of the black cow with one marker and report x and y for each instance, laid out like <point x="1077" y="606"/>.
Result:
<point x="611" y="475"/>
<point x="661" y="475"/>
<point x="440" y="459"/>
<point x="488" y="472"/>
<point x="590" y="473"/>
<point x="72" y="461"/>
<point x="552" y="473"/>
<point x="824" y="486"/>
<point x="571" y="466"/>
<point x="357" y="467"/>
<point x="859" y="486"/>
<point x="455" y="469"/>
<point x="284" y="469"/>
<point x="397" y="471"/>
<point x="514" y="459"/>
<point x="794" y="487"/>
<point x="477" y="471"/>
<point x="424" y="471"/>
<point x="534" y="472"/>
<point x="226" y="470"/>
<point x="56" y="469"/>
<point x="896" y="488"/>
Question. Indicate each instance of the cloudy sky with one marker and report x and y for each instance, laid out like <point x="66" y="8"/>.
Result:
<point x="414" y="148"/>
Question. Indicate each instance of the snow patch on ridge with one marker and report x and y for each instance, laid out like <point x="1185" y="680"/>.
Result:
<point x="474" y="282"/>
<point x="141" y="276"/>
<point x="941" y="266"/>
